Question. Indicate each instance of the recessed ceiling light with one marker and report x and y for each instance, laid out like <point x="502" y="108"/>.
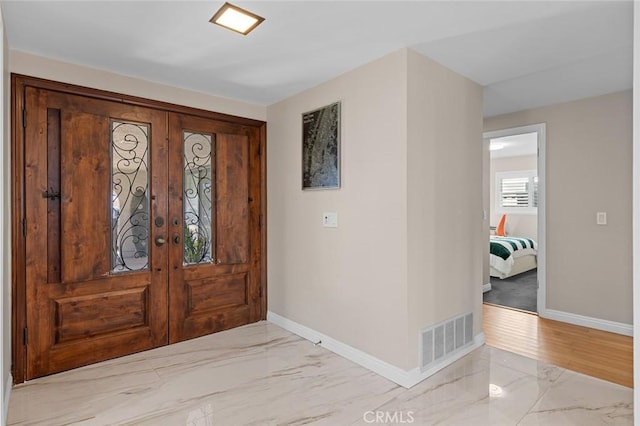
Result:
<point x="236" y="19"/>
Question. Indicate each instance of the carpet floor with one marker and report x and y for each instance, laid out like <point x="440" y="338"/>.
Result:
<point x="519" y="291"/>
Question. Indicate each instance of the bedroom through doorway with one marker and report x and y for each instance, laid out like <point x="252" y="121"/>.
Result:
<point x="516" y="219"/>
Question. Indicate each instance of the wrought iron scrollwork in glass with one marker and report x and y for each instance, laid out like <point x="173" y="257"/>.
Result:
<point x="198" y="172"/>
<point x="129" y="198"/>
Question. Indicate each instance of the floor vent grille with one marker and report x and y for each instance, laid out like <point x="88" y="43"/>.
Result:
<point x="445" y="338"/>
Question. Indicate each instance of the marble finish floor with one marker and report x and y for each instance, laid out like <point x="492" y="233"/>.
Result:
<point x="261" y="374"/>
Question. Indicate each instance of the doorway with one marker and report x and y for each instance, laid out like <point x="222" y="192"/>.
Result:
<point x="141" y="225"/>
<point x="517" y="220"/>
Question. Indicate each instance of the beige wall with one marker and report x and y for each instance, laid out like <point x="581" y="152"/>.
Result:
<point x="485" y="211"/>
<point x="636" y="209"/>
<point x="378" y="278"/>
<point x="5" y="232"/>
<point x="589" y="169"/>
<point x="521" y="225"/>
<point x="348" y="282"/>
<point x="38" y="66"/>
<point x="444" y="196"/>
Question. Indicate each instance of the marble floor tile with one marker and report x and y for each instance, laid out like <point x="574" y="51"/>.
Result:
<point x="260" y="374"/>
<point x="576" y="399"/>
<point x="475" y="391"/>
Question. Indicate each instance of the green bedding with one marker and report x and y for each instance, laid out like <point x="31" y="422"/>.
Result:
<point x="504" y="247"/>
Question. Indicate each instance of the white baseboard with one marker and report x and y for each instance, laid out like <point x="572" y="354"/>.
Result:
<point x="598" y="324"/>
<point x="402" y="377"/>
<point x="7" y="394"/>
<point x="486" y="287"/>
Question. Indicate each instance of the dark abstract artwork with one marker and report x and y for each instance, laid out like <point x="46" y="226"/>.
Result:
<point x="321" y="148"/>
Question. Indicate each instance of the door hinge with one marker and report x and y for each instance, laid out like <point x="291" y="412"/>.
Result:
<point x="25" y="335"/>
<point x="24" y="118"/>
<point x="260" y="222"/>
<point x="24" y="227"/>
<point x="260" y="291"/>
<point x="51" y="194"/>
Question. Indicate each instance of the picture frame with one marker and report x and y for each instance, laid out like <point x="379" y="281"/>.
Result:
<point x="321" y="147"/>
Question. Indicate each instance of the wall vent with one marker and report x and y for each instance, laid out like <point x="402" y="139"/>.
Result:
<point x="445" y="338"/>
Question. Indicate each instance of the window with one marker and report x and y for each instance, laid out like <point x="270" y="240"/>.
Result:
<point x="517" y="192"/>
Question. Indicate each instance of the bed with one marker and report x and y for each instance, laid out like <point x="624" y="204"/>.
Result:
<point x="509" y="256"/>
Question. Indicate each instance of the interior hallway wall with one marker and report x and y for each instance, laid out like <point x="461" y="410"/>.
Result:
<point x="589" y="170"/>
<point x="410" y="196"/>
<point x="348" y="282"/>
<point x="445" y="219"/>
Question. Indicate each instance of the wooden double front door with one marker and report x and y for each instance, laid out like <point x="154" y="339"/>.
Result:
<point x="142" y="227"/>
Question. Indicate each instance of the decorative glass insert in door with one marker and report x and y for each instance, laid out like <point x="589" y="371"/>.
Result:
<point x="198" y="172"/>
<point x="129" y="196"/>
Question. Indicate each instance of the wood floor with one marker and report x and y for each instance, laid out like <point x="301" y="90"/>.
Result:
<point x="596" y="353"/>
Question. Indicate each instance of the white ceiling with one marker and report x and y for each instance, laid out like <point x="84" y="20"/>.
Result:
<point x="515" y="146"/>
<point x="526" y="54"/>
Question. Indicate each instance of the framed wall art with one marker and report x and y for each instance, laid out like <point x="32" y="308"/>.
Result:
<point x="321" y="148"/>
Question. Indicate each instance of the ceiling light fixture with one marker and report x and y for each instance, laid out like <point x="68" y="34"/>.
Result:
<point x="236" y="19"/>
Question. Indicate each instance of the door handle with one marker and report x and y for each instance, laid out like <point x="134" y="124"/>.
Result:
<point x="160" y="241"/>
<point x="176" y="238"/>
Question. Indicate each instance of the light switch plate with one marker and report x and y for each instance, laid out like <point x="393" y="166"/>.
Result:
<point x="601" y="218"/>
<point x="330" y="220"/>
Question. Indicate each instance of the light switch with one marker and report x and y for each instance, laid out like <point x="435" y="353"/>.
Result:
<point x="330" y="220"/>
<point x="601" y="218"/>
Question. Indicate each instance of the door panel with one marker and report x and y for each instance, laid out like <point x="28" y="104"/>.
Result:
<point x="79" y="310"/>
<point x="214" y="278"/>
<point x="85" y="185"/>
<point x="214" y="293"/>
<point x="119" y="310"/>
<point x="232" y="182"/>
